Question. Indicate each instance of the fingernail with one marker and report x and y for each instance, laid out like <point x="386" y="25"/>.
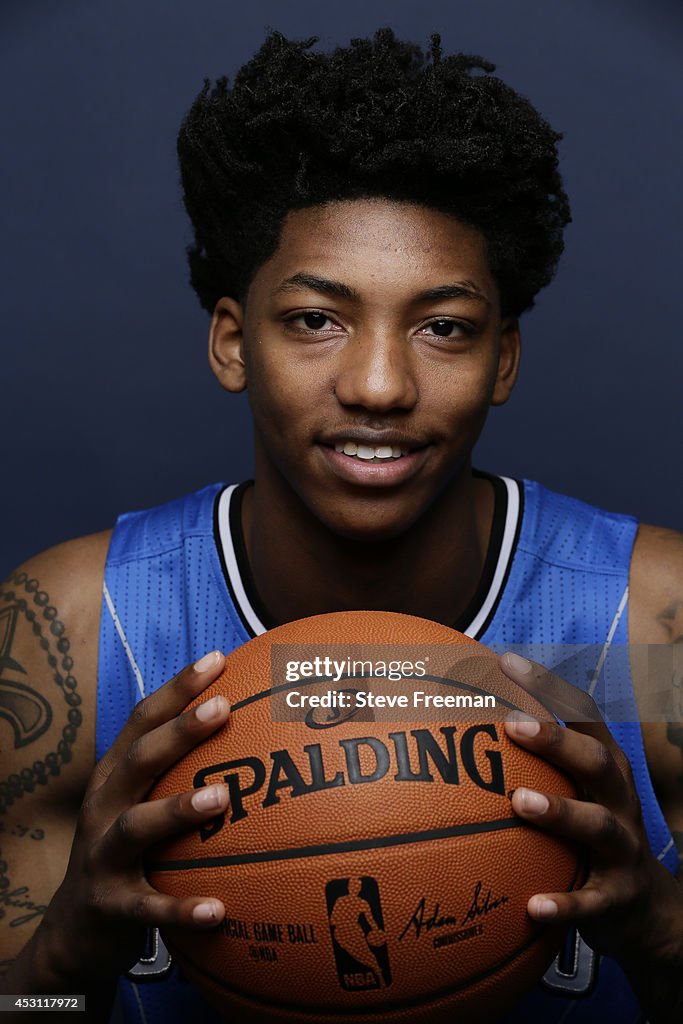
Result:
<point x="543" y="907"/>
<point x="207" y="662"/>
<point x="522" y="724"/>
<point x="207" y="799"/>
<point x="211" y="709"/>
<point x="205" y="913"/>
<point x="533" y="802"/>
<point x="517" y="663"/>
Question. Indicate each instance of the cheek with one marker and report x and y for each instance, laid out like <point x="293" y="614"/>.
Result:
<point x="281" y="394"/>
<point x="281" y="368"/>
<point x="463" y="390"/>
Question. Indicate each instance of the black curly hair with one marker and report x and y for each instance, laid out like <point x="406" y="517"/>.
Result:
<point x="378" y="118"/>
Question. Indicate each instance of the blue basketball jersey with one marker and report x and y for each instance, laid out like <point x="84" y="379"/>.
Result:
<point x="554" y="584"/>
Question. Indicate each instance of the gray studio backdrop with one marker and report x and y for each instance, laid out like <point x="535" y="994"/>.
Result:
<point x="108" y="403"/>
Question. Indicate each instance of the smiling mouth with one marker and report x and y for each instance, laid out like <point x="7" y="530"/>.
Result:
<point x="370" y="453"/>
<point x="374" y="465"/>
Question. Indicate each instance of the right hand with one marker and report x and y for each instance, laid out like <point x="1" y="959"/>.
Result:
<point x="95" y="926"/>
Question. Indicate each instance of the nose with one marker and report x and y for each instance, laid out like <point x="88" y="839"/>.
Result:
<point x="377" y="373"/>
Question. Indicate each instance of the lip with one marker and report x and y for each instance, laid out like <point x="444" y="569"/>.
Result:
<point x="374" y="439"/>
<point x="385" y="473"/>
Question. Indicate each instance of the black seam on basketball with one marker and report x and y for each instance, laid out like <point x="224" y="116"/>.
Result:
<point x="301" y="683"/>
<point x="367" y="1013"/>
<point x="347" y="846"/>
<point x="315" y="1013"/>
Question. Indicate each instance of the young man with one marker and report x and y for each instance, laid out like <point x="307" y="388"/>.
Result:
<point x="369" y="226"/>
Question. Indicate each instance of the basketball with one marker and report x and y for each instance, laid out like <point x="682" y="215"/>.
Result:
<point x="370" y="863"/>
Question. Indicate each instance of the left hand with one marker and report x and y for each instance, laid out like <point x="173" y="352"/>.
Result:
<point x="629" y="905"/>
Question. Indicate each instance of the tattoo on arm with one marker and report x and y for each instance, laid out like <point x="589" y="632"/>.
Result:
<point x="16" y="902"/>
<point x="672" y="620"/>
<point x="27" y="711"/>
<point x="21" y="831"/>
<point x="19" y="905"/>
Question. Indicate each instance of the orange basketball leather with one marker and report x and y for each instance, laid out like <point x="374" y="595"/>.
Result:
<point x="371" y="870"/>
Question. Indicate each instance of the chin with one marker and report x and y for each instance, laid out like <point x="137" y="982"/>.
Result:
<point x="370" y="526"/>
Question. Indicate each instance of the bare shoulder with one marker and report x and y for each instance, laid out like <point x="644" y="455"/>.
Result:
<point x="656" y="638"/>
<point x="49" y="630"/>
<point x="656" y="586"/>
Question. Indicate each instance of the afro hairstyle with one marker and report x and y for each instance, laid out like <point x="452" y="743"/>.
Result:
<point x="379" y="118"/>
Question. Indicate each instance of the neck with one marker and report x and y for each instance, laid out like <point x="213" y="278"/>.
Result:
<point x="301" y="568"/>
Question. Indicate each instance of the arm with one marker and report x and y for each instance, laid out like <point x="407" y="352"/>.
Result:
<point x="630" y="907"/>
<point x="656" y="630"/>
<point x="89" y="825"/>
<point x="48" y="665"/>
<point x="656" y="618"/>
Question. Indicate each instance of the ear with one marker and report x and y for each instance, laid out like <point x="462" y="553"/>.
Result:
<point x="508" y="360"/>
<point x="226" y="352"/>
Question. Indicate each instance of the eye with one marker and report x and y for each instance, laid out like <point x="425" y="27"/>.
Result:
<point x="443" y="328"/>
<point x="314" y="321"/>
<point x="309" y="322"/>
<point x="447" y="328"/>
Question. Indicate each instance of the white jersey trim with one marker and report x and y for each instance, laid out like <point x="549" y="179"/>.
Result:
<point x="505" y="554"/>
<point x="231" y="566"/>
<point x="608" y="642"/>
<point x="248" y="613"/>
<point x="124" y="640"/>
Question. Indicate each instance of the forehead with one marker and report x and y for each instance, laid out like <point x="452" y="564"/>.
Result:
<point x="379" y="243"/>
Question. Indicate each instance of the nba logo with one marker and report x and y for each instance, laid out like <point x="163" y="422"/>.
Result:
<point x="354" y="912"/>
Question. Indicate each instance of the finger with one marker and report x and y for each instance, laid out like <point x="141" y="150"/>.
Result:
<point x="562" y="699"/>
<point x="585" y="758"/>
<point x="590" y="824"/>
<point x="566" y="907"/>
<point x="153" y="753"/>
<point x="164" y="704"/>
<point x="144" y="825"/>
<point x="150" y="908"/>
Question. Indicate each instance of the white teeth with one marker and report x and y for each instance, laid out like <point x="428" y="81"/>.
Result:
<point x="369" y="452"/>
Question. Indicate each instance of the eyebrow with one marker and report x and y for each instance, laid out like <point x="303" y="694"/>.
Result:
<point x="317" y="284"/>
<point x="458" y="290"/>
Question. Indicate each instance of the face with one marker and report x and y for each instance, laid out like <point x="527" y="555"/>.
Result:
<point x="372" y="346"/>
